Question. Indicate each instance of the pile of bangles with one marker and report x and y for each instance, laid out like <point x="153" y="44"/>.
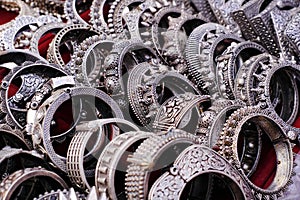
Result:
<point x="149" y="99"/>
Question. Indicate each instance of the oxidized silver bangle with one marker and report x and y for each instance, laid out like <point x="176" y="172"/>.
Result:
<point x="229" y="63"/>
<point x="97" y="14"/>
<point x="73" y="9"/>
<point x="177" y="112"/>
<point x="68" y="36"/>
<point x="110" y="164"/>
<point x="161" y="24"/>
<point x="264" y="86"/>
<point x="88" y="59"/>
<point x="193" y="162"/>
<point x="292" y="31"/>
<point x="39" y="33"/>
<point x="80" y="143"/>
<point x="280" y="20"/>
<point x="138" y="177"/>
<point x="223" y="9"/>
<point x="147" y="88"/>
<point x="32" y="76"/>
<point x="222" y="110"/>
<point x="15" y="180"/>
<point x="282" y="90"/>
<point x="43" y="125"/>
<point x="266" y="120"/>
<point x="204" y="8"/>
<point x="176" y="35"/>
<point x="248" y="76"/>
<point x="36" y="101"/>
<point x="115" y="17"/>
<point x="208" y="41"/>
<point x="16" y="37"/>
<point x="124" y="56"/>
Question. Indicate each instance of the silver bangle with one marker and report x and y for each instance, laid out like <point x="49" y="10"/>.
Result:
<point x="229" y="63"/>
<point x="174" y="111"/>
<point x="266" y="120"/>
<point x="42" y="126"/>
<point x="90" y="56"/>
<point x="76" y="152"/>
<point x="39" y="33"/>
<point x="11" y="39"/>
<point x="207" y="41"/>
<point x="193" y="162"/>
<point x="33" y="77"/>
<point x="108" y="163"/>
<point x="9" y="184"/>
<point x="78" y="32"/>
<point x="139" y="171"/>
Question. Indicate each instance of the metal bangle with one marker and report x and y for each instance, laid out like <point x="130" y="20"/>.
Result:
<point x="55" y="101"/>
<point x="173" y="35"/>
<point x="39" y="33"/>
<point x="108" y="162"/>
<point x="222" y="10"/>
<point x="10" y="36"/>
<point x="173" y="112"/>
<point x="78" y="31"/>
<point x="266" y="120"/>
<point x="146" y="159"/>
<point x="205" y="41"/>
<point x="156" y="30"/>
<point x="71" y="11"/>
<point x="144" y="95"/>
<point x="13" y="181"/>
<point x="116" y="61"/>
<point x="94" y="49"/>
<point x="222" y="111"/>
<point x="229" y="63"/>
<point x="33" y="77"/>
<point x="204" y="8"/>
<point x="76" y="151"/>
<point x="202" y="161"/>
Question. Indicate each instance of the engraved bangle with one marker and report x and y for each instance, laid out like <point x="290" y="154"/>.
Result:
<point x="39" y="33"/>
<point x="88" y="59"/>
<point x="193" y="162"/>
<point x="73" y="9"/>
<point x="173" y="112"/>
<point x="32" y="77"/>
<point x="208" y="41"/>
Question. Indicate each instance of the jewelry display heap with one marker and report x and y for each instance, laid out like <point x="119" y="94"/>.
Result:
<point x="149" y="99"/>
